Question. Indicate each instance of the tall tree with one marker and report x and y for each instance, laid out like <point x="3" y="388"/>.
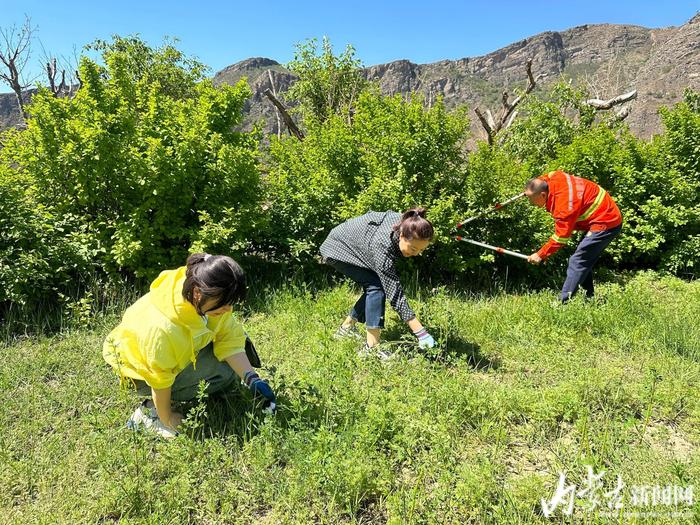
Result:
<point x="15" y="50"/>
<point x="328" y="84"/>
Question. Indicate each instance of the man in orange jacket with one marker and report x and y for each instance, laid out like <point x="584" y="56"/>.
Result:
<point x="576" y="204"/>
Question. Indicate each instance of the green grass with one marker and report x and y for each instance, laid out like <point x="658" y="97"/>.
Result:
<point x="476" y="433"/>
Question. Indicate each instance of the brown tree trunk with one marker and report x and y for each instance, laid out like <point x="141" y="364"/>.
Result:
<point x="291" y="126"/>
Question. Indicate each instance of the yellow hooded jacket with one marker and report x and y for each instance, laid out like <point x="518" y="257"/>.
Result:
<point x="161" y="333"/>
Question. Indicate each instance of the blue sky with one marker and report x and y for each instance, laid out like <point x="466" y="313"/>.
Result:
<point x="220" y="33"/>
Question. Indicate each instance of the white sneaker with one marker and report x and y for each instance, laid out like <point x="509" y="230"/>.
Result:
<point x="348" y="333"/>
<point x="145" y="416"/>
<point x="367" y="351"/>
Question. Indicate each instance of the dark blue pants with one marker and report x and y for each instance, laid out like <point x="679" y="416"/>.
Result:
<point x="580" y="270"/>
<point x="369" y="308"/>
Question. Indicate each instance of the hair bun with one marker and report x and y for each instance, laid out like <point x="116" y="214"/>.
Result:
<point x="196" y="258"/>
<point x="413" y="213"/>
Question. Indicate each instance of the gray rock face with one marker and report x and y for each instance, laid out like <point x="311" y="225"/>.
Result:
<point x="10" y="116"/>
<point x="251" y="66"/>
<point x="608" y="59"/>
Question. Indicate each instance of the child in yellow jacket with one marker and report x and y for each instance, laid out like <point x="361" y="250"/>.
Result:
<point x="182" y="332"/>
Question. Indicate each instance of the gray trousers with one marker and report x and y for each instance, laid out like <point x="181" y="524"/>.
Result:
<point x="218" y="374"/>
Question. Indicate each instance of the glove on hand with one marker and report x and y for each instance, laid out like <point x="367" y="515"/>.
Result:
<point x="260" y="388"/>
<point x="425" y="340"/>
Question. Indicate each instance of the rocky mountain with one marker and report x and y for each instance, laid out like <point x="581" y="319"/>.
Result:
<point x="609" y="59"/>
<point x="9" y="111"/>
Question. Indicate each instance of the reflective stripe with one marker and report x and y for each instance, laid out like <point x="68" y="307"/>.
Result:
<point x="560" y="240"/>
<point x="593" y="207"/>
<point x="571" y="191"/>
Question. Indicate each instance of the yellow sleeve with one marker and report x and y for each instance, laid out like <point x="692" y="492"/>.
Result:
<point x="160" y="364"/>
<point x="230" y="338"/>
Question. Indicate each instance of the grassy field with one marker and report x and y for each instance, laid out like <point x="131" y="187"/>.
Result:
<point x="475" y="433"/>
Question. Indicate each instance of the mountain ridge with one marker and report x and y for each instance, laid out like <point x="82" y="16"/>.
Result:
<point x="607" y="58"/>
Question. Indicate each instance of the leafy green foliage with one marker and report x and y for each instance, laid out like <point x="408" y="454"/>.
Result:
<point x="145" y="157"/>
<point x="535" y="138"/>
<point x="393" y="154"/>
<point x="145" y="164"/>
<point x="40" y="248"/>
<point x="328" y="84"/>
<point x="680" y="149"/>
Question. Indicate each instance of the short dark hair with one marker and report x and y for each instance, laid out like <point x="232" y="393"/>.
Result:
<point x="217" y="276"/>
<point x="414" y="225"/>
<point x="537" y="185"/>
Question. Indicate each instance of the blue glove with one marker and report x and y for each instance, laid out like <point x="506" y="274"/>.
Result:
<point x="260" y="388"/>
<point x="425" y="340"/>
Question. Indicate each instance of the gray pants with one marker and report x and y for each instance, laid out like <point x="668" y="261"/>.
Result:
<point x="580" y="270"/>
<point x="218" y="374"/>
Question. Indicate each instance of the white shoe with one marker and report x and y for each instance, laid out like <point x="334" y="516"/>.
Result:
<point x="367" y="351"/>
<point x="348" y="333"/>
<point x="145" y="416"/>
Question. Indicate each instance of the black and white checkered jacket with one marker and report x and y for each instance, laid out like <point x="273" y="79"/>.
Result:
<point x="368" y="241"/>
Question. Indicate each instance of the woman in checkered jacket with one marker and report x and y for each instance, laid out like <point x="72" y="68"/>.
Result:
<point x="365" y="249"/>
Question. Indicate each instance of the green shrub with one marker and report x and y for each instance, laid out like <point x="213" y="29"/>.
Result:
<point x="145" y="158"/>
<point x="328" y="84"/>
<point x="393" y="154"/>
<point x="40" y="248"/>
<point x="681" y="150"/>
<point x="144" y="165"/>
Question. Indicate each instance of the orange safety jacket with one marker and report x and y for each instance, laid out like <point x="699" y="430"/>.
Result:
<point x="576" y="204"/>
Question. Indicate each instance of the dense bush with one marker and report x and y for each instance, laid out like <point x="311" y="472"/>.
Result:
<point x="144" y="158"/>
<point x="680" y="149"/>
<point x="144" y="164"/>
<point x="40" y="250"/>
<point x="393" y="154"/>
<point x="328" y="84"/>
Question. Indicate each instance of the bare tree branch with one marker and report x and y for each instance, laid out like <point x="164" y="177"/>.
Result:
<point x="608" y="104"/>
<point x="622" y="114"/>
<point x="15" y="50"/>
<point x="75" y="66"/>
<point x="291" y="126"/>
<point x="511" y="119"/>
<point x="80" y="80"/>
<point x="490" y="119"/>
<point x="277" y="111"/>
<point x="51" y="75"/>
<point x="485" y="124"/>
<point x="62" y="87"/>
<point x="507" y="113"/>
<point x="509" y="107"/>
<point x="66" y="87"/>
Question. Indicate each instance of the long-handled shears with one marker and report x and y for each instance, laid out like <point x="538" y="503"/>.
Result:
<point x="496" y="249"/>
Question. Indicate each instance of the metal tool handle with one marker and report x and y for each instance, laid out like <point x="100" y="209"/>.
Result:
<point x="496" y="206"/>
<point x="496" y="249"/>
